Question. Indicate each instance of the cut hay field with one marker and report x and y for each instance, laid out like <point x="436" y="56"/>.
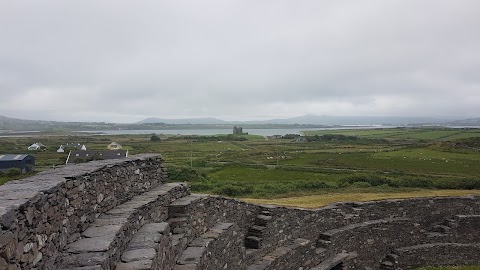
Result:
<point x="316" y="201"/>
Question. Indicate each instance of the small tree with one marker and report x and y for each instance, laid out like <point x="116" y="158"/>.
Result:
<point x="154" y="138"/>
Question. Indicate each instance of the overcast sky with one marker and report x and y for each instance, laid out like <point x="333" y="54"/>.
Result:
<point x="122" y="61"/>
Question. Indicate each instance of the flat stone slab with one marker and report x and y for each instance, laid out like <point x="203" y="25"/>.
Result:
<point x="94" y="267"/>
<point x="184" y="201"/>
<point x="138" y="255"/>
<point x="83" y="259"/>
<point x="100" y="231"/>
<point x="335" y="260"/>
<point x="137" y="265"/>
<point x="96" y="244"/>
<point x="162" y="228"/>
<point x="141" y="241"/>
<point x="185" y="267"/>
<point x="200" y="242"/>
<point x="191" y="255"/>
<point x="110" y="220"/>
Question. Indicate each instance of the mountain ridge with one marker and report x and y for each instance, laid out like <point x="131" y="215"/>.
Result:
<point x="8" y="124"/>
<point x="307" y="120"/>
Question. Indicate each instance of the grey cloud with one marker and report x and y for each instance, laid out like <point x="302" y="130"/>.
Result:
<point x="238" y="59"/>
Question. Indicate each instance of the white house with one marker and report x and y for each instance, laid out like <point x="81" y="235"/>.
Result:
<point x="37" y="146"/>
<point x="60" y="149"/>
<point x="84" y="148"/>
<point x="114" y="146"/>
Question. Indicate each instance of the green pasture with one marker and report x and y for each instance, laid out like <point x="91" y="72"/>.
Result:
<point x="437" y="134"/>
<point x="250" y="166"/>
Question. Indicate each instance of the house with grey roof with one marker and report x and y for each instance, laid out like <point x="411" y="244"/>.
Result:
<point x="80" y="156"/>
<point x="24" y="162"/>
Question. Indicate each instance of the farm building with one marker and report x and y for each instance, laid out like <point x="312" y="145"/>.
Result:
<point x="114" y="146"/>
<point x="79" y="156"/>
<point x="300" y="139"/>
<point x="37" y="146"/>
<point x="26" y="163"/>
<point x="68" y="146"/>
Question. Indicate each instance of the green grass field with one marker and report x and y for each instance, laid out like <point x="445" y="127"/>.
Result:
<point x="378" y="160"/>
<point x="371" y="165"/>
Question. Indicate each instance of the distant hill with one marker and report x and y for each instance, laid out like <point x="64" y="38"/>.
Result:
<point x="465" y="122"/>
<point x="8" y="124"/>
<point x="193" y="121"/>
<point x="352" y="120"/>
<point x="4" y="119"/>
<point x="308" y="120"/>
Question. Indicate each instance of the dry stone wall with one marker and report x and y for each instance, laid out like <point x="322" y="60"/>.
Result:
<point x="40" y="215"/>
<point x="55" y="219"/>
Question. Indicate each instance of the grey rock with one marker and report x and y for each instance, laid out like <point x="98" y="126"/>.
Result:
<point x="137" y="265"/>
<point x="138" y="255"/>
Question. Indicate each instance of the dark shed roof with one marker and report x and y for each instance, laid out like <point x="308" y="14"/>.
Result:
<point x="12" y="157"/>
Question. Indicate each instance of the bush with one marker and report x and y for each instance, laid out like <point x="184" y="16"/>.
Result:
<point x="62" y="160"/>
<point x="13" y="172"/>
<point x="200" y="187"/>
<point x="154" y="138"/>
<point x="233" y="191"/>
<point x="415" y="182"/>
<point x="184" y="174"/>
<point x="361" y="185"/>
<point x="458" y="184"/>
<point x="312" y="185"/>
<point x="372" y="180"/>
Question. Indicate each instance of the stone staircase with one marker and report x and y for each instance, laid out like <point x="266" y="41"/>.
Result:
<point x="291" y="255"/>
<point x="255" y="235"/>
<point x="163" y="228"/>
<point x="439" y="254"/>
<point x="218" y="248"/>
<point x="337" y="262"/>
<point x="150" y="248"/>
<point x="101" y="245"/>
<point x="183" y="227"/>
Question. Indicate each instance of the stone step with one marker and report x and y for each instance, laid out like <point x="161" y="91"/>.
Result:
<point x="323" y="243"/>
<point x="181" y="229"/>
<point x="149" y="248"/>
<point x="262" y="220"/>
<point x="184" y="226"/>
<point x="266" y="212"/>
<point x="253" y="242"/>
<point x="466" y="221"/>
<point x="335" y="262"/>
<point x="388" y="263"/>
<point x="324" y="240"/>
<point x="421" y="255"/>
<point x="105" y="240"/>
<point x="178" y="224"/>
<point x="256" y="230"/>
<point x="216" y="241"/>
<point x="292" y="255"/>
<point x="179" y="208"/>
<point x="443" y="229"/>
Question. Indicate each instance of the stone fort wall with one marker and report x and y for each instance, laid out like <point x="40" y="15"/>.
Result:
<point x="122" y="214"/>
